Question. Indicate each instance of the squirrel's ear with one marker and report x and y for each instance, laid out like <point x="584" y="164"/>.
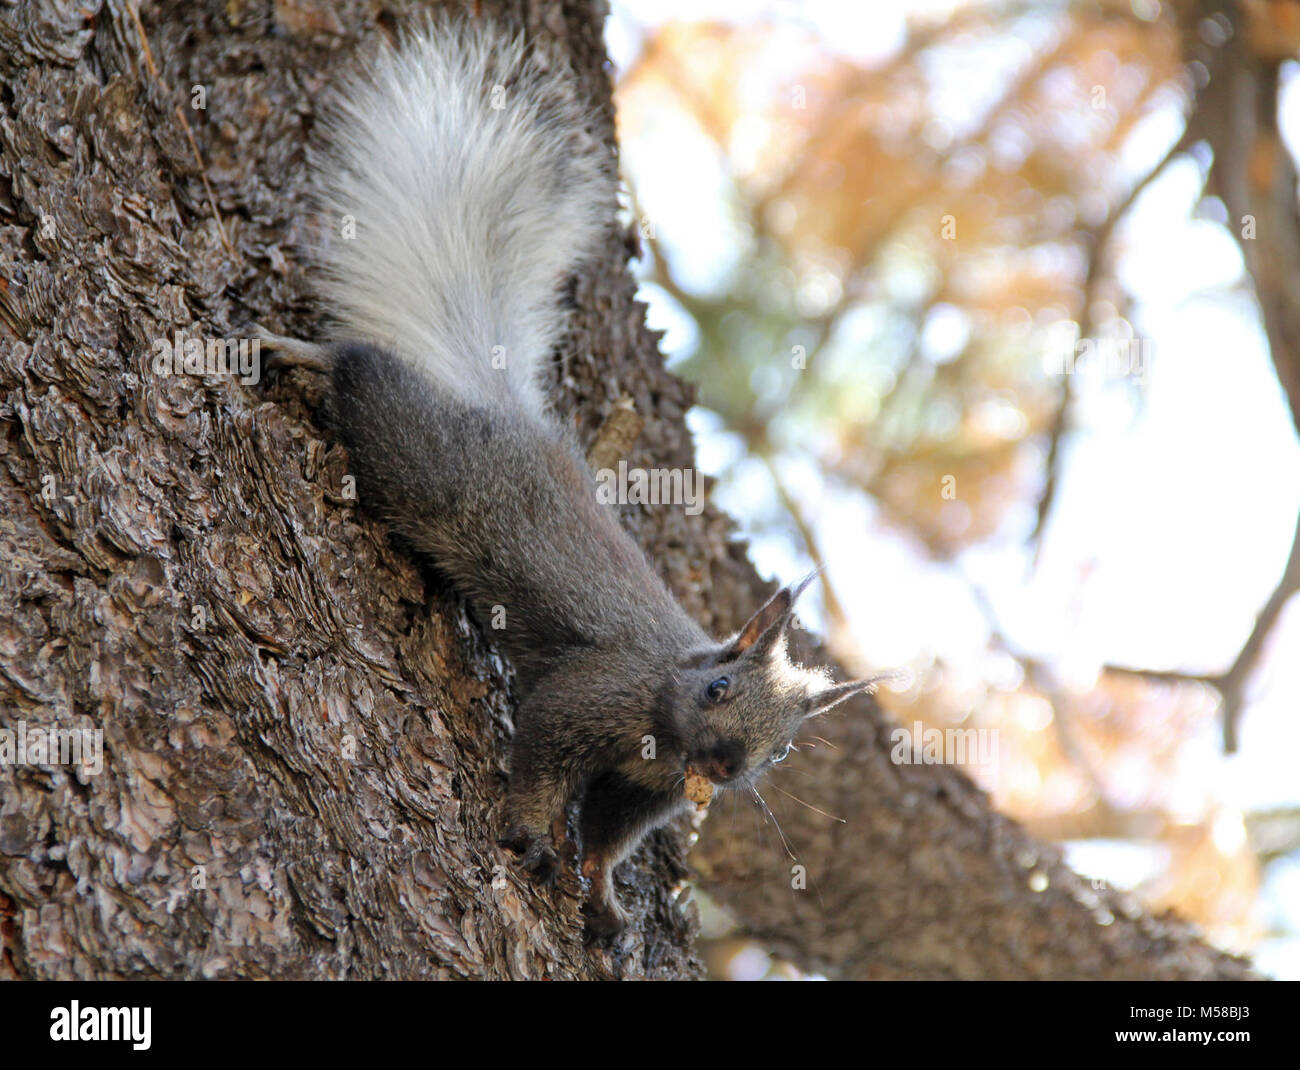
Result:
<point x="769" y="623"/>
<point x="833" y="696"/>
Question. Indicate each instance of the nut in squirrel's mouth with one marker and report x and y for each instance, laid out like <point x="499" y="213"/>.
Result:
<point x="699" y="788"/>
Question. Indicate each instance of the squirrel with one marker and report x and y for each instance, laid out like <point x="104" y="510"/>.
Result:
<point x="463" y="155"/>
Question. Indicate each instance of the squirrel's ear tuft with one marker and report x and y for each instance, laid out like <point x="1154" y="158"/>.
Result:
<point x="763" y="629"/>
<point x="823" y="700"/>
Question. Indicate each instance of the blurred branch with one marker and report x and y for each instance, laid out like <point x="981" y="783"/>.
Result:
<point x="1100" y="821"/>
<point x="1097" y="240"/>
<point x="1041" y="675"/>
<point x="1255" y="176"/>
<point x="663" y="272"/>
<point x="836" y="620"/>
<point x="1274" y="833"/>
<point x="1231" y="685"/>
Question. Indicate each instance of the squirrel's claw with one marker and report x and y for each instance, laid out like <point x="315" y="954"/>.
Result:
<point x="542" y="863"/>
<point x="293" y="352"/>
<point x="537" y="857"/>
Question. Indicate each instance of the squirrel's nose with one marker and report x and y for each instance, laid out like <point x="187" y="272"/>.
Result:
<point x="722" y="761"/>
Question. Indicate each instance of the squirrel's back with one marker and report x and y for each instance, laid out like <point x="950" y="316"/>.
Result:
<point x="475" y="188"/>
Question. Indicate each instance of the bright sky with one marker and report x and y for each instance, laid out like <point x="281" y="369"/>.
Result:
<point x="1180" y="508"/>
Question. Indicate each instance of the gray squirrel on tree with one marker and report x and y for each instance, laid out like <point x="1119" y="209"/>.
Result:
<point x="477" y="190"/>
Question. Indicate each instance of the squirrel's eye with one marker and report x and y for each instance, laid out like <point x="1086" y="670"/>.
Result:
<point x="717" y="690"/>
<point x="780" y="754"/>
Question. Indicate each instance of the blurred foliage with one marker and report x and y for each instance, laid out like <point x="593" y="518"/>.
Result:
<point x="916" y="274"/>
<point x="912" y="245"/>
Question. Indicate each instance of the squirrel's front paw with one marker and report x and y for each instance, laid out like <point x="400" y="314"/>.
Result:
<point x="536" y="857"/>
<point x="541" y="862"/>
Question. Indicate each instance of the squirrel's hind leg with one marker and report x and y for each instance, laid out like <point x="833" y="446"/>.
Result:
<point x="293" y="352"/>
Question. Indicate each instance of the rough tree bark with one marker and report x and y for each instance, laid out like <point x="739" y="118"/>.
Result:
<point x="305" y="734"/>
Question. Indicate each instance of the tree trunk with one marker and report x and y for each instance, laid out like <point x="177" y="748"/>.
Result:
<point x="304" y="734"/>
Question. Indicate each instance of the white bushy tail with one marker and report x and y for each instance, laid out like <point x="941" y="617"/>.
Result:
<point x="464" y="160"/>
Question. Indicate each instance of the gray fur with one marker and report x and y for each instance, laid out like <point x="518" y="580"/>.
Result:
<point x="464" y="161"/>
<point x="468" y="218"/>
